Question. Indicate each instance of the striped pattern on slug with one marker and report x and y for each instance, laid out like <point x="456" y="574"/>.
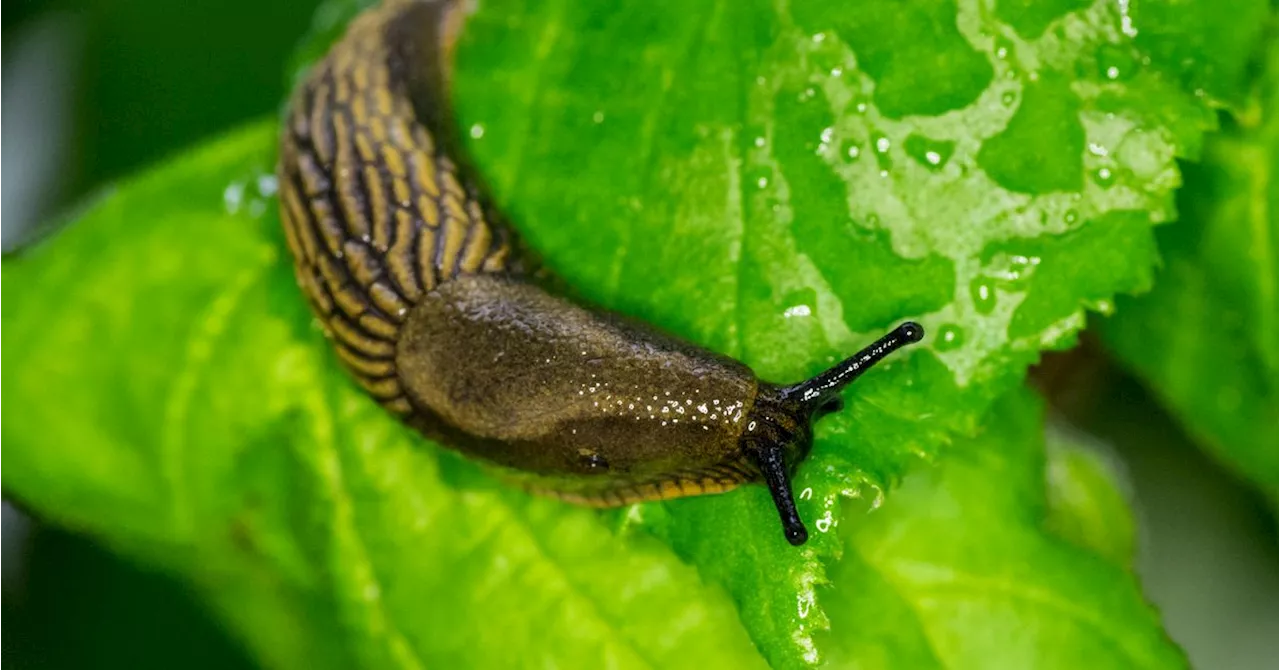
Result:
<point x="375" y="212"/>
<point x="705" y="481"/>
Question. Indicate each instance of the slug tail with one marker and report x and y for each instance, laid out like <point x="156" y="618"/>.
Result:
<point x="376" y="210"/>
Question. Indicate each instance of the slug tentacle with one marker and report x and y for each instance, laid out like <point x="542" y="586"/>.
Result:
<point x="771" y="459"/>
<point x="815" y="394"/>
<point x="438" y="312"/>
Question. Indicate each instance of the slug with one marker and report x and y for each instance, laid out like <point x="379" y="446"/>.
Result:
<point x="442" y="316"/>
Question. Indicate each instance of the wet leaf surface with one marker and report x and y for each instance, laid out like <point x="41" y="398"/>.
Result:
<point x="780" y="183"/>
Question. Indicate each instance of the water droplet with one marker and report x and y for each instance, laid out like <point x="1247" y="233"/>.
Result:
<point x="883" y="159"/>
<point x="1003" y="48"/>
<point x="797" y="310"/>
<point x="983" y="293"/>
<point x="824" y="523"/>
<point x="1071" y="217"/>
<point x="861" y="107"/>
<point x="477" y="131"/>
<point x="1126" y="19"/>
<point x="1115" y="63"/>
<point x="598" y="117"/>
<point x="759" y="142"/>
<point x="804" y="603"/>
<point x="1018" y="271"/>
<point x="1104" y="177"/>
<point x="932" y="154"/>
<point x="852" y="152"/>
<point x="1097" y="149"/>
<point x="819" y="38"/>
<point x="878" y="500"/>
<point x="837" y="71"/>
<point x="233" y="196"/>
<point x="267" y="185"/>
<point x="950" y="337"/>
<point x="1008" y="98"/>
<point x="762" y="182"/>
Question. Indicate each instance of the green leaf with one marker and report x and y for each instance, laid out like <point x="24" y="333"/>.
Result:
<point x="783" y="182"/>
<point x="1205" y="339"/>
<point x="1088" y="497"/>
<point x="778" y="184"/>
<point x="173" y="398"/>
<point x="951" y="573"/>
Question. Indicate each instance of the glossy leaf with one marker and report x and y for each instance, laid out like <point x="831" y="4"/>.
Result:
<point x="778" y="184"/>
<point x="1205" y="338"/>
<point x="784" y="182"/>
<point x="955" y="573"/>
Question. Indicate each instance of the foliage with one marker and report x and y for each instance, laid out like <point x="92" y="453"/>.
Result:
<point x="1205" y="338"/>
<point x="779" y="183"/>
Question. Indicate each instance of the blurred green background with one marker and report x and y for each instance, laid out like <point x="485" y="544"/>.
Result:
<point x="96" y="89"/>
<point x="84" y="80"/>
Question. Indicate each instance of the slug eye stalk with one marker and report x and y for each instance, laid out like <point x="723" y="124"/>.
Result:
<point x="793" y="410"/>
<point x="773" y="466"/>
<point x="817" y="392"/>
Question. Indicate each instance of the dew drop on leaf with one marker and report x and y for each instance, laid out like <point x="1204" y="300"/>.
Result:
<point x="797" y="311"/>
<point x="882" y="145"/>
<point x="759" y="177"/>
<point x="930" y="153"/>
<point x="1004" y="48"/>
<point x="1114" y="63"/>
<point x="950" y="337"/>
<point x="983" y="292"/>
<point x="233" y="196"/>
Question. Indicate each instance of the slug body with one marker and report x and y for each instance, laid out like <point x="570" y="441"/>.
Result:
<point x="439" y="314"/>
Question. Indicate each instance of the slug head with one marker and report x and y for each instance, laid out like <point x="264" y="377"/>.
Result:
<point x="779" y="430"/>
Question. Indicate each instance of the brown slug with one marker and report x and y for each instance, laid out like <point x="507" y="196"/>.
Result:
<point x="439" y="314"/>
